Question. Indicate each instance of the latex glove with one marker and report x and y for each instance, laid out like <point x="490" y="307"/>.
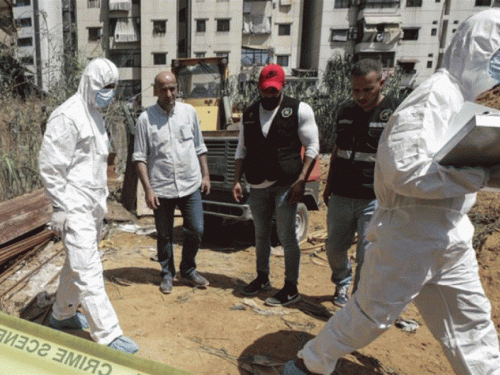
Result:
<point x="58" y="222"/>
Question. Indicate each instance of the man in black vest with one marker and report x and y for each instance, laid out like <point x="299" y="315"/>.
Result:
<point x="273" y="132"/>
<point x="349" y="187"/>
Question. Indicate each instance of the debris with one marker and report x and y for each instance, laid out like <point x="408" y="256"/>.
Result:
<point x="19" y="247"/>
<point x="137" y="229"/>
<point x="267" y="312"/>
<point x="318" y="258"/>
<point x="23" y="214"/>
<point x="238" y="306"/>
<point x="278" y="251"/>
<point x="315" y="310"/>
<point x="407" y="325"/>
<point x="43" y="299"/>
<point x="299" y="326"/>
<point x="106" y="244"/>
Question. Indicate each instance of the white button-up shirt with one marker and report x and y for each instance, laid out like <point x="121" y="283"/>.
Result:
<point x="170" y="143"/>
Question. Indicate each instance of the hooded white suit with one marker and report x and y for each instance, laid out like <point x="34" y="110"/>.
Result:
<point x="73" y="166"/>
<point x="421" y="238"/>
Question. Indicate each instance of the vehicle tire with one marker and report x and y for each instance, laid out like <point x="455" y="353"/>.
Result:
<point x="301" y="222"/>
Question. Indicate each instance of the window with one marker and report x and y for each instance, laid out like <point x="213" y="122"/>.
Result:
<point x="126" y="58"/>
<point x="27" y="60"/>
<point x="410" y="33"/>
<point x="282" y="60"/>
<point x="342" y="4"/>
<point x="159" y="27"/>
<point x="93" y="3"/>
<point x="200" y="54"/>
<point x="429" y="64"/>
<point x="25" y="42"/>
<point x="201" y="26"/>
<point x="413" y="3"/>
<point x="222" y="54"/>
<point x="159" y="58"/>
<point x="24" y="22"/>
<point x="407" y="67"/>
<point x="339" y="35"/>
<point x="382" y="4"/>
<point x="434" y="32"/>
<point x="22" y="3"/>
<point x="259" y="57"/>
<point x="284" y="29"/>
<point x="223" y="25"/>
<point x="483" y="3"/>
<point x="430" y="55"/>
<point x="94" y="34"/>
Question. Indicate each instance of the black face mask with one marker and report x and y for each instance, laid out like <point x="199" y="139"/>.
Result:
<point x="270" y="103"/>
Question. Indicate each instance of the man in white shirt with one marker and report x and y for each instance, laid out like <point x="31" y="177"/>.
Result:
<point x="273" y="132"/>
<point x="171" y="161"/>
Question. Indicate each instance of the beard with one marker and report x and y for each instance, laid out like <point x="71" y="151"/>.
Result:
<point x="270" y="103"/>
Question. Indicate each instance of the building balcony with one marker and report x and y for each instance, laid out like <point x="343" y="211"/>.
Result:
<point x="379" y="5"/>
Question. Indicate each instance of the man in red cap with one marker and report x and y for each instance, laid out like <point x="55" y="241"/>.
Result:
<point x="273" y="131"/>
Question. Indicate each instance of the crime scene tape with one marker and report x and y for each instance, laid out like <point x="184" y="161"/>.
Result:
<point x="30" y="348"/>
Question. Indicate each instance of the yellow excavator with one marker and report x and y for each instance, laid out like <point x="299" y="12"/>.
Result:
<point x="202" y="82"/>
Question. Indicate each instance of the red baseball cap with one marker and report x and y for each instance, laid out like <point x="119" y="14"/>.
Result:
<point x="272" y="75"/>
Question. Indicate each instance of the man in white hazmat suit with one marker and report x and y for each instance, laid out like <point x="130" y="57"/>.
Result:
<point x="73" y="166"/>
<point x="421" y="238"/>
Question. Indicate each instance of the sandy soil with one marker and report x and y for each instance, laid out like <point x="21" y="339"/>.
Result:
<point x="219" y="331"/>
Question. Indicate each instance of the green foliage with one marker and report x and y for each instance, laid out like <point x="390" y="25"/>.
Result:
<point x="21" y="135"/>
<point x="22" y="122"/>
<point x="73" y="69"/>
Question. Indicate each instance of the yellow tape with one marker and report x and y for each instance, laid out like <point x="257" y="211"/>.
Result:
<point x="29" y="348"/>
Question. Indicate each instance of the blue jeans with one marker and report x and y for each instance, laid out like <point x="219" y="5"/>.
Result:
<point x="264" y="203"/>
<point x="192" y="214"/>
<point x="345" y="217"/>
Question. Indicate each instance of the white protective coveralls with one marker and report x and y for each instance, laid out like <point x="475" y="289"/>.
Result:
<point x="421" y="237"/>
<point x="73" y="166"/>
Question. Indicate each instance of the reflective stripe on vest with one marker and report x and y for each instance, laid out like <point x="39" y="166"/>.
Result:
<point x="359" y="156"/>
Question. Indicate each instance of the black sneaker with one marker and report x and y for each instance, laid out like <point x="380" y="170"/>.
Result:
<point x="289" y="294"/>
<point x="256" y="286"/>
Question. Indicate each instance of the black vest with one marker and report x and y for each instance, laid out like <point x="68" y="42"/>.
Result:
<point x="277" y="156"/>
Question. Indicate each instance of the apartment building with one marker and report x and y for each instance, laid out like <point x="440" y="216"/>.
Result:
<point x="409" y="34"/>
<point x="39" y="39"/>
<point x="142" y="37"/>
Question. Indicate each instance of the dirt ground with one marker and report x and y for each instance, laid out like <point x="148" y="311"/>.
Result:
<point x="219" y="331"/>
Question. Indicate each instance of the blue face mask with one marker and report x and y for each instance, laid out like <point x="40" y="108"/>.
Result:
<point x="494" y="67"/>
<point x="104" y="97"/>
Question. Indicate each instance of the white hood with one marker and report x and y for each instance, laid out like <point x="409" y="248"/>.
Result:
<point x="468" y="55"/>
<point x="99" y="73"/>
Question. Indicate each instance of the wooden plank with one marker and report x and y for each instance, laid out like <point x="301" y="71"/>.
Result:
<point x="19" y="247"/>
<point x="23" y="214"/>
